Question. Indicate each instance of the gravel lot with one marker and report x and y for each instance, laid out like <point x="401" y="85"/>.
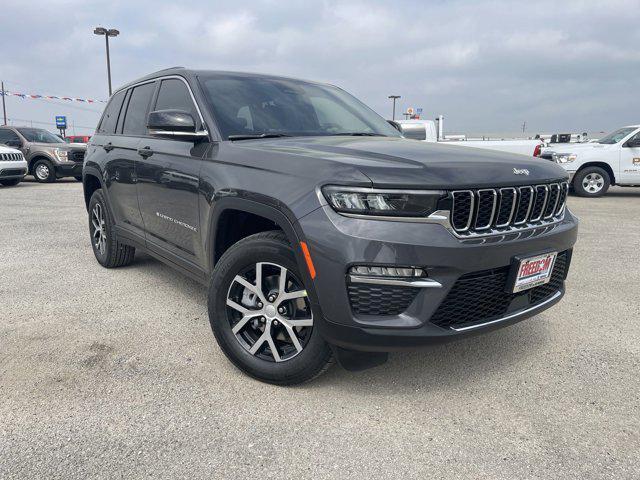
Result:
<point x="115" y="373"/>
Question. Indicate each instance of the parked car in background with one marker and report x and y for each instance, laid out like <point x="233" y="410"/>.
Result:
<point x="594" y="166"/>
<point x="48" y="156"/>
<point x="77" y="138"/>
<point x="320" y="230"/>
<point x="13" y="166"/>
<point x="426" y="131"/>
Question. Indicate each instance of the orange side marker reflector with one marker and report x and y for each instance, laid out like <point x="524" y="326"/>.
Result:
<point x="307" y="257"/>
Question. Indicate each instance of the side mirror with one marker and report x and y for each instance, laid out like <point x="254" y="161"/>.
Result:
<point x="176" y="124"/>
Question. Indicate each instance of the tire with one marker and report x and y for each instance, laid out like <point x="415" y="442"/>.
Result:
<point x="11" y="183"/>
<point x="591" y="182"/>
<point x="44" y="171"/>
<point x="255" y="323"/>
<point x="79" y="179"/>
<point x="109" y="252"/>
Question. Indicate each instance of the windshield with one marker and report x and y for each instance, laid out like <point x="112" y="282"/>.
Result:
<point x="251" y="106"/>
<point x="39" y="135"/>
<point x="616" y="136"/>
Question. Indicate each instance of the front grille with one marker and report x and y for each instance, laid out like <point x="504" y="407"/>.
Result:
<point x="11" y="157"/>
<point x="380" y="299"/>
<point x="481" y="296"/>
<point x="495" y="210"/>
<point x="76" y="155"/>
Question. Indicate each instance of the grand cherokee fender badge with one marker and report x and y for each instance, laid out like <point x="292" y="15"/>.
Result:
<point x="520" y="171"/>
<point x="177" y="222"/>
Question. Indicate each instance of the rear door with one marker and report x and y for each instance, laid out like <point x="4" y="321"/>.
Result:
<point x="168" y="181"/>
<point x="123" y="146"/>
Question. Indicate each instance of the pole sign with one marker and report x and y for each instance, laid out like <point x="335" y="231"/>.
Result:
<point x="418" y="111"/>
<point x="61" y="122"/>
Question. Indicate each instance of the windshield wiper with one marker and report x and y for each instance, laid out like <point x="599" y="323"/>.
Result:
<point x="258" y="135"/>
<point x="357" y="134"/>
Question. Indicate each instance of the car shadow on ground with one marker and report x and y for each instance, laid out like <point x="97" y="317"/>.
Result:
<point x="433" y="367"/>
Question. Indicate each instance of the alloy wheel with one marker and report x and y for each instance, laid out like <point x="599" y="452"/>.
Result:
<point x="269" y="312"/>
<point x="593" y="182"/>
<point x="99" y="234"/>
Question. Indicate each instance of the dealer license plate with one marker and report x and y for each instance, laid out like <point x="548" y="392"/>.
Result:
<point x="534" y="271"/>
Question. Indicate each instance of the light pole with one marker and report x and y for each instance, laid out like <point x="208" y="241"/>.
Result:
<point x="394" y="98"/>
<point x="112" y="32"/>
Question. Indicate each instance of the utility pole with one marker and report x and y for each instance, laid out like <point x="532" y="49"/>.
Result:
<point x="394" y="98"/>
<point x="112" y="32"/>
<point x="524" y="126"/>
<point x="4" y="108"/>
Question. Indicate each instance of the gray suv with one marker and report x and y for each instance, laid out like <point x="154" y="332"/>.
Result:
<point x="48" y="156"/>
<point x="321" y="232"/>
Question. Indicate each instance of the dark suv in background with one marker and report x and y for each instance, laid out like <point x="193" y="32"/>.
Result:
<point x="48" y="156"/>
<point x="321" y="232"/>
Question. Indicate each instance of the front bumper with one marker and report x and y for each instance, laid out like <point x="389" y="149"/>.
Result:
<point x="13" y="169"/>
<point x="68" y="169"/>
<point x="337" y="242"/>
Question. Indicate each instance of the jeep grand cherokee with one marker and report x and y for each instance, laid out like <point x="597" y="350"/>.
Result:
<point x="321" y="232"/>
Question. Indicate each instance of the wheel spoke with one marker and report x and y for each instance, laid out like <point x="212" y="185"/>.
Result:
<point x="303" y="322"/>
<point x="259" y="279"/>
<point x="274" y="350"/>
<point x="249" y="286"/>
<point x="256" y="346"/>
<point x="95" y="224"/>
<point x="235" y="306"/>
<point x="294" y="337"/>
<point x="283" y="281"/>
<point x="293" y="295"/>
<point x="241" y="323"/>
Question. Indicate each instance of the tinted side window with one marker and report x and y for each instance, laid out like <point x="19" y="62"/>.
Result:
<point x="174" y="95"/>
<point x="135" y="122"/>
<point x="110" y="117"/>
<point x="7" y="135"/>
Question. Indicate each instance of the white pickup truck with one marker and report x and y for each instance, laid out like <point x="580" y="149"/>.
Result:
<point x="426" y="131"/>
<point x="593" y="167"/>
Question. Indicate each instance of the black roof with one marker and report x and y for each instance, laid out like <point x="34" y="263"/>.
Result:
<point x="187" y="72"/>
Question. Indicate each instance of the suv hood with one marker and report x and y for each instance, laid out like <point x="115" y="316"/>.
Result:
<point x="5" y="149"/>
<point x="397" y="162"/>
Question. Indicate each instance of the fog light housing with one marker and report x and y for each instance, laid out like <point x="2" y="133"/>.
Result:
<point x="395" y="272"/>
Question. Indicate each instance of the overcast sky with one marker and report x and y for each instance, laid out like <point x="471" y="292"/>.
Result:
<point x="488" y="66"/>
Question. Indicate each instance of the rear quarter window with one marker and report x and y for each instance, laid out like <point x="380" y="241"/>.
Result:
<point x="109" y="120"/>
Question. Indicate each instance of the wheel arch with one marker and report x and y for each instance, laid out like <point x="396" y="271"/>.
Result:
<point x="604" y="165"/>
<point x="38" y="156"/>
<point x="227" y="210"/>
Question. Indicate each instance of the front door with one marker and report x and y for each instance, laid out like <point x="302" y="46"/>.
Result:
<point x="630" y="162"/>
<point x="168" y="175"/>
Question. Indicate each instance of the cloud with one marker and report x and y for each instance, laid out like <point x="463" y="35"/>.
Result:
<point x="487" y="66"/>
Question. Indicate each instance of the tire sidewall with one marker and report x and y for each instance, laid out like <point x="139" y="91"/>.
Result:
<point x="52" y="173"/>
<point x="98" y="197"/>
<point x="246" y="254"/>
<point x="577" y="182"/>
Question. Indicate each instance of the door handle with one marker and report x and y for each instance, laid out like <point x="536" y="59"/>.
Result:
<point x="145" y="152"/>
<point x="108" y="146"/>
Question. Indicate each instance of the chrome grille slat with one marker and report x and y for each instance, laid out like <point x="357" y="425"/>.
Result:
<point x="481" y="213"/>
<point x="493" y="211"/>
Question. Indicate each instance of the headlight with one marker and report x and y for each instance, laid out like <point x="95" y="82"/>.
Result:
<point x="383" y="203"/>
<point x="62" y="155"/>
<point x="564" y="157"/>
